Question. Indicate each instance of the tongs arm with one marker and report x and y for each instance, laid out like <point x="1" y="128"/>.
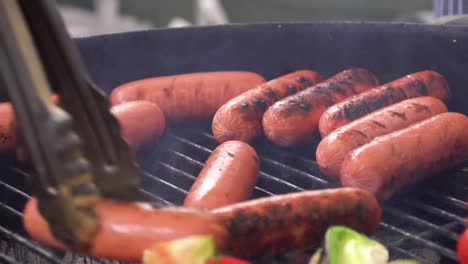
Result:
<point x="77" y="154"/>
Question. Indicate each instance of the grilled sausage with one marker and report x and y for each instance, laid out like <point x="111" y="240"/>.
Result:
<point x="240" y="118"/>
<point x="276" y="224"/>
<point x="7" y="127"/>
<point x="141" y="122"/>
<point x="333" y="149"/>
<point x="407" y="156"/>
<point x="188" y="96"/>
<point x="229" y="176"/>
<point x="127" y="229"/>
<point x="294" y="119"/>
<point x="423" y="83"/>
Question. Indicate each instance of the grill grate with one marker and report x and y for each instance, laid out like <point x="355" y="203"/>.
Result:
<point x="421" y="223"/>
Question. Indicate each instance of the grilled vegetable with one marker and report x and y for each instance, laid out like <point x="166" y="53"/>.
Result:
<point x="196" y="249"/>
<point x="343" y="245"/>
<point x="227" y="260"/>
<point x="191" y="249"/>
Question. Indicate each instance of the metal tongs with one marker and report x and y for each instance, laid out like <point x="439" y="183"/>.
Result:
<point x="75" y="148"/>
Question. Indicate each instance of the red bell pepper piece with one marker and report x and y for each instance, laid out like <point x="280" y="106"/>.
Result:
<point x="462" y="247"/>
<point x="227" y="260"/>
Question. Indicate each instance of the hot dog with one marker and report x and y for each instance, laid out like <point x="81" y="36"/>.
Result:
<point x="229" y="176"/>
<point x="294" y="119"/>
<point x="408" y="155"/>
<point x="423" y="83"/>
<point x="333" y="149"/>
<point x="7" y="127"/>
<point x="127" y="229"/>
<point x="240" y="118"/>
<point x="273" y="225"/>
<point x="8" y="137"/>
<point x="188" y="96"/>
<point x="141" y="122"/>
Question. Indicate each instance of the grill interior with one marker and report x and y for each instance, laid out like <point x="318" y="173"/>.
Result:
<point x="421" y="222"/>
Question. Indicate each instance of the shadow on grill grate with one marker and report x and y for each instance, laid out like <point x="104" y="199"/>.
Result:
<point x="422" y="224"/>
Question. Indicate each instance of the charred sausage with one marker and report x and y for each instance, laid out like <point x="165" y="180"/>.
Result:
<point x="423" y="83"/>
<point x="333" y="149"/>
<point x="294" y="119"/>
<point x="188" y="96"/>
<point x="127" y="229"/>
<point x="240" y="118"/>
<point x="407" y="156"/>
<point x="276" y="224"/>
<point x="228" y="177"/>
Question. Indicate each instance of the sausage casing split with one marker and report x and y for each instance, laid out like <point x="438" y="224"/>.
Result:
<point x="188" y="96"/>
<point x="228" y="177"/>
<point x="294" y="119"/>
<point x="408" y="155"/>
<point x="423" y="83"/>
<point x="240" y="118"/>
<point x="276" y="224"/>
<point x="333" y="149"/>
<point x="127" y="229"/>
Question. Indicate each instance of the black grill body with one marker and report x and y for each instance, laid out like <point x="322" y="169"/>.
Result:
<point x="421" y="222"/>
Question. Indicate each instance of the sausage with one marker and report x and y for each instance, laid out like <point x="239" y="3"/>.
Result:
<point x="229" y="176"/>
<point x="333" y="149"/>
<point x="138" y="134"/>
<point x="240" y="118"/>
<point x="276" y="224"/>
<point x="141" y="122"/>
<point x="294" y="119"/>
<point x="7" y="127"/>
<point x="126" y="229"/>
<point x="407" y="156"/>
<point x="423" y="83"/>
<point x="188" y="96"/>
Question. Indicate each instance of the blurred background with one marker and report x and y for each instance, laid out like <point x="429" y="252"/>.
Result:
<point x="91" y="17"/>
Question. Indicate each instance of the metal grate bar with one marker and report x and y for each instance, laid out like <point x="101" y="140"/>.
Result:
<point x="192" y="144"/>
<point x="317" y="180"/>
<point x="284" y="183"/>
<point x="450" y="200"/>
<point x="404" y="253"/>
<point x="7" y="259"/>
<point x="435" y="210"/>
<point x="32" y="245"/>
<point x="424" y="223"/>
<point x="14" y="190"/>
<point x="9" y="209"/>
<point x="445" y="251"/>
<point x="172" y="186"/>
<point x="154" y="198"/>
